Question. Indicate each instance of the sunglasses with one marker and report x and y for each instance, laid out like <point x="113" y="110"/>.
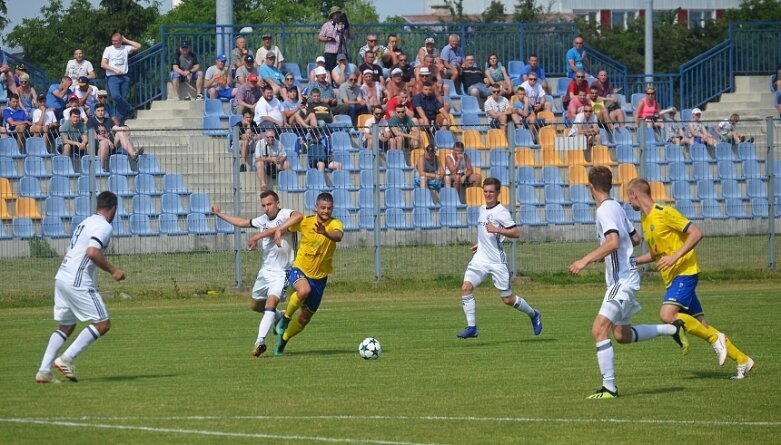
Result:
<point x="402" y="60"/>
<point x="495" y="92"/>
<point x="352" y="79"/>
<point x="580" y="77"/>
<point x="371" y="40"/>
<point x="578" y="43"/>
<point x="288" y="78"/>
<point x="650" y="93"/>
<point x="587" y="111"/>
<point x="532" y="78"/>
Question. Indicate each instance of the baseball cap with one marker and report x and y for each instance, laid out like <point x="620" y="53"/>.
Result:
<point x="102" y="93"/>
<point x="222" y="58"/>
<point x="396" y="71"/>
<point x="266" y="36"/>
<point x="320" y="71"/>
<point x="73" y="97"/>
<point x="696" y="111"/>
<point x="21" y="67"/>
<point x="424" y="70"/>
<point x="431" y="149"/>
<point x="185" y="44"/>
<point x="252" y="77"/>
<point x="270" y="55"/>
<point x="320" y="59"/>
<point x="429" y="40"/>
<point x="249" y="59"/>
<point x="41" y="97"/>
<point x="341" y="56"/>
<point x="368" y="71"/>
<point x="83" y="80"/>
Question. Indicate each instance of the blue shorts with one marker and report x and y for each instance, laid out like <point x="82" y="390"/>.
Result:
<point x="682" y="293"/>
<point x="312" y="302"/>
<point x="433" y="184"/>
<point x="224" y="93"/>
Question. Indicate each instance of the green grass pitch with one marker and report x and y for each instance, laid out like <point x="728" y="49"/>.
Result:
<point x="180" y="371"/>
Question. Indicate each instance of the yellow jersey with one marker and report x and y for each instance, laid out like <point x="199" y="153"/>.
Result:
<point x="597" y="106"/>
<point x="315" y="252"/>
<point x="664" y="231"/>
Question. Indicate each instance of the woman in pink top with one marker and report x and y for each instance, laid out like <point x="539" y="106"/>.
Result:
<point x="648" y="108"/>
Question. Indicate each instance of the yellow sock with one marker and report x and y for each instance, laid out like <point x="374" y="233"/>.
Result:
<point x="736" y="354"/>
<point x="293" y="329"/>
<point x="693" y="326"/>
<point x="293" y="305"/>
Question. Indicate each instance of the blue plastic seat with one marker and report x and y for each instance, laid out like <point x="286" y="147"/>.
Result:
<point x="213" y="107"/>
<point x="55" y="206"/>
<point x="678" y="171"/>
<point x="35" y="167"/>
<point x="726" y="170"/>
<point x="120" y="165"/>
<point x="22" y="228"/>
<point x="147" y="164"/>
<point x="366" y="218"/>
<point x="62" y="166"/>
<point x="174" y="183"/>
<point x="294" y="69"/>
<point x="451" y="217"/>
<point x="9" y="149"/>
<point x="735" y="208"/>
<point x="699" y="152"/>
<point x="422" y="197"/>
<point x="453" y="93"/>
<point x="343" y="200"/>
<point x="625" y="154"/>
<point x="52" y="227"/>
<point x="687" y="208"/>
<point x="622" y="136"/>
<point x="526" y="176"/>
<point x="146" y="184"/>
<point x="651" y="141"/>
<point x="223" y="226"/>
<point x="310" y="199"/>
<point x="367" y="179"/>
<point x="606" y="137"/>
<point x="348" y="219"/>
<point x="83" y="186"/>
<point x="469" y="104"/>
<point x="747" y="151"/>
<point x="396" y="219"/>
<point x="395" y="178"/>
<point x="197" y="224"/>
<point x="211" y="126"/>
<point x="526" y="194"/>
<point x="366" y="160"/>
<point x="394" y="198"/>
<point x="653" y="172"/>
<point x="701" y="170"/>
<point x="119" y="185"/>
<point x="444" y="139"/>
<point x="499" y="157"/>
<point x="756" y="188"/>
<point x="760" y="208"/>
<point x="730" y="188"/>
<point x="171" y="203"/>
<point x="562" y="84"/>
<point x="681" y="190"/>
<point x="523" y="138"/>
<point x="141" y="225"/>
<point x="554" y="194"/>
<point x="711" y="209"/>
<point x="169" y="225"/>
<point x="82" y="206"/>
<point x="674" y="153"/>
<point x="366" y="198"/>
<point x="631" y="213"/>
<point x="119" y="228"/>
<point x="88" y="162"/>
<point x="470" y="120"/>
<point x="315" y="180"/>
<point x="30" y="187"/>
<point x="422" y="219"/>
<point x="36" y="146"/>
<point x="342" y="121"/>
<point x="530" y="216"/>
<point x="287" y="181"/>
<point x="476" y="158"/>
<point x="8" y="168"/>
<point x="751" y="169"/>
<point x="395" y="159"/>
<point x="551" y="175"/>
<point x="61" y="186"/>
<point x="347" y="161"/>
<point x="342" y="180"/>
<point x="555" y="214"/>
<point x="501" y="173"/>
<point x="581" y="213"/>
<point x="724" y="152"/>
<point x="579" y="193"/>
<point x="142" y="204"/>
<point x="199" y="203"/>
<point x="706" y="190"/>
<point x="341" y="141"/>
<point x="448" y="196"/>
<point x="297" y="164"/>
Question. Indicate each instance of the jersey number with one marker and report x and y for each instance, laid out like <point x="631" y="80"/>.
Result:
<point x="76" y="234"/>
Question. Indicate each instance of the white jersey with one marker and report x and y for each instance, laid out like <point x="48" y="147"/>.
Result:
<point x="620" y="264"/>
<point x="489" y="245"/>
<point x="276" y="258"/>
<point x="77" y="268"/>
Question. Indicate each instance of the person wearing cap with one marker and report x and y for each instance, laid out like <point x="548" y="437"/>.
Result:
<point x="342" y="69"/>
<point x="404" y="129"/>
<point x="319" y="62"/>
<point x="241" y="74"/>
<point x="87" y="94"/>
<point x="268" y="110"/>
<point x="73" y="134"/>
<point x="335" y="33"/>
<point x="351" y="98"/>
<point x="78" y="66"/>
<point x="697" y="131"/>
<point x="473" y="79"/>
<point x="370" y="63"/>
<point x="44" y="122"/>
<point x="115" y="63"/>
<point x="326" y="88"/>
<point x="429" y="71"/>
<point x="429" y="109"/>
<point x="372" y="45"/>
<point x="269" y="47"/>
<point x="272" y="75"/>
<point x="673" y="129"/>
<point x="430" y="171"/>
<point x="373" y="91"/>
<point x="452" y="57"/>
<point x="407" y="72"/>
<point x="533" y="66"/>
<point x="428" y="49"/>
<point x="15" y="119"/>
<point x="248" y="95"/>
<point x="217" y="81"/>
<point x="395" y="83"/>
<point x="238" y="53"/>
<point x="186" y="68"/>
<point x="73" y="104"/>
<point x="57" y="96"/>
<point x="648" y="109"/>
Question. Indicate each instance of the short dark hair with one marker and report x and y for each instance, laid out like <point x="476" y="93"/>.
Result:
<point x="458" y="144"/>
<point x="106" y="200"/>
<point x="313" y="90"/>
<point x="100" y="106"/>
<point x="493" y="181"/>
<point x="601" y="178"/>
<point x="428" y="84"/>
<point x="267" y="87"/>
<point x="325" y="196"/>
<point x="268" y="193"/>
<point x="75" y="111"/>
<point x="13" y="96"/>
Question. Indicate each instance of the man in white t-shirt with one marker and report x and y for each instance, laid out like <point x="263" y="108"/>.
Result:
<point x="268" y="110"/>
<point x="115" y="63"/>
<point x="44" y="122"/>
<point x="270" y="158"/>
<point x="278" y="254"/>
<point x="494" y="224"/>
<point x="78" y="67"/>
<point x="617" y="238"/>
<point x="497" y="107"/>
<point x="378" y="118"/>
<point x="536" y="93"/>
<point x="75" y="295"/>
<point x="586" y="124"/>
<point x="87" y="94"/>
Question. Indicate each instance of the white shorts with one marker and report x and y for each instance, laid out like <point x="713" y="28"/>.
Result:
<point x="74" y="304"/>
<point x="476" y="272"/>
<point x="620" y="303"/>
<point x="270" y="283"/>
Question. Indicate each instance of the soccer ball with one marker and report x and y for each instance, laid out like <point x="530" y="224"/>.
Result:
<point x="370" y="348"/>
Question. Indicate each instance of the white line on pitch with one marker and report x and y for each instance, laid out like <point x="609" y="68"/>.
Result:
<point x="203" y="432"/>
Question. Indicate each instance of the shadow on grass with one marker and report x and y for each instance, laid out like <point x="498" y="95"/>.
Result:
<point x="709" y="375"/>
<point x="471" y="342"/>
<point x="322" y="352"/>
<point x="127" y="378"/>
<point x="654" y="391"/>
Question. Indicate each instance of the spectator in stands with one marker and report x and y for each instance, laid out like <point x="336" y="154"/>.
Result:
<point x="218" y="82"/>
<point x="352" y="99"/>
<point x="458" y="169"/>
<point x="120" y="132"/>
<point x="26" y="93"/>
<point x="473" y="78"/>
<point x="319" y="62"/>
<point x="428" y="49"/>
<point x="497" y="107"/>
<point x="384" y="132"/>
<point x="577" y="104"/>
<point x="729" y="134"/>
<point x="86" y="93"/>
<point x="271" y="75"/>
<point x="239" y="53"/>
<point x="600" y="109"/>
<point x="245" y="70"/>
<point x="536" y="93"/>
<point x="430" y="72"/>
<point x="429" y="171"/>
<point x="115" y="63"/>
<point x="103" y="139"/>
<point x="16" y="122"/>
<point x="395" y="83"/>
<point x="369" y="63"/>
<point x="335" y="33"/>
<point x="533" y="66"/>
<point x="110" y="112"/>
<point x="326" y="88"/>
<point x="318" y="108"/>
<point x="248" y="95"/>
<point x="78" y="67"/>
<point x="391" y="56"/>
<point x="269" y="47"/>
<point x="577" y="60"/>
<point x="186" y="68"/>
<point x="73" y="104"/>
<point x="585" y="124"/>
<point x="574" y="88"/>
<point x="44" y="122"/>
<point x="522" y="109"/>
<point x="288" y="82"/>
<point x="430" y="111"/>
<point x="496" y="73"/>
<point x="648" y="109"/>
<point x="249" y="135"/>
<point x="407" y="72"/>
<point x="673" y="129"/>
<point x="401" y="98"/>
<point x="342" y="69"/>
<point x="294" y="110"/>
<point x="270" y="156"/>
<point x="268" y="110"/>
<point x="74" y="134"/>
<point x="607" y="93"/>
<point x="452" y="57"/>
<point x="19" y="69"/>
<point x="373" y="90"/>
<point x="57" y="96"/>
<point x="697" y="131"/>
<point x="405" y="132"/>
<point x="372" y="45"/>
<point x="320" y="151"/>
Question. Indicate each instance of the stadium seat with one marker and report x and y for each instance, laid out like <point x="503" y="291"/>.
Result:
<point x="554" y="194"/>
<point x="451" y="217"/>
<point x="30" y="187"/>
<point x="527" y="194"/>
<point x="6" y="191"/>
<point x="701" y="170"/>
<point x="524" y="157"/>
<point x="171" y="203"/>
<point x="577" y="175"/>
<point x="530" y="216"/>
<point x="224" y="227"/>
<point x="581" y="213"/>
<point x="448" y="196"/>
<point x="523" y="138"/>
<point x="476" y="157"/>
<point x="681" y="191"/>
<point x="22" y="228"/>
<point x="141" y="225"/>
<point x="735" y="208"/>
<point x="396" y="219"/>
<point x="200" y="203"/>
<point x="82" y="206"/>
<point x="120" y="165"/>
<point x="288" y="140"/>
<point x="625" y="154"/>
<point x="119" y="228"/>
<point x="562" y="84"/>
<point x="174" y="183"/>
<point x="8" y="168"/>
<point x="52" y="227"/>
<point x="119" y="185"/>
<point x="147" y="164"/>
<point x="471" y="120"/>
<point x="555" y="214"/>
<point x="698" y="152"/>
<point x="687" y="208"/>
<point x="62" y="166"/>
<point x="55" y="206"/>
<point x="36" y="146"/>
<point x="496" y="138"/>
<point x="600" y="155"/>
<point x="395" y="178"/>
<point x="121" y="210"/>
<point x="706" y="190"/>
<point x="444" y="139"/>
<point x="551" y="175"/>
<point x="711" y="209"/>
<point x="347" y="160"/>
<point x="726" y="170"/>
<point x="340" y="141"/>
<point x="83" y="185"/>
<point x="9" y="149"/>
<point x="730" y="189"/>
<point x="756" y="188"/>
<point x="169" y="225"/>
<point x="298" y="163"/>
<point x="422" y="197"/>
<point x="146" y="184"/>
<point x="422" y="219"/>
<point x="747" y="151"/>
<point x="631" y="213"/>
<point x="142" y="204"/>
<point x="724" y="152"/>
<point x="653" y="172"/>
<point x="759" y="208"/>
<point x="287" y="181"/>
<point x="89" y="162"/>
<point x="453" y="93"/>
<point x="342" y="179"/>
<point x="211" y="126"/>
<point x="674" y="153"/>
<point x="526" y="175"/>
<point x="472" y="215"/>
<point x="213" y="107"/>
<point x="475" y="197"/>
<point x="501" y="173"/>
<point x="35" y="167"/>
<point x="580" y="194"/>
<point x="395" y="159"/>
<point x="343" y="200"/>
<point x="469" y="104"/>
<point x="197" y="224"/>
<point x="367" y="179"/>
<point x="295" y="70"/>
<point x="348" y="220"/>
<point x="394" y="198"/>
<point x="659" y="192"/>
<point x="751" y="169"/>
<point x="366" y="218"/>
<point x="622" y="136"/>
<point x="234" y="119"/>
<point x="677" y="171"/>
<point x="315" y="180"/>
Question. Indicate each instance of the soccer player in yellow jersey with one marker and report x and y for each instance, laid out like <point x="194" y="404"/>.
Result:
<point x="309" y="274"/>
<point x="671" y="239"/>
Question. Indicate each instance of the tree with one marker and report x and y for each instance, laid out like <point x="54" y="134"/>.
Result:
<point x="3" y="15"/>
<point x="494" y="13"/>
<point x="752" y="10"/>
<point x="527" y="11"/>
<point x="456" y="8"/>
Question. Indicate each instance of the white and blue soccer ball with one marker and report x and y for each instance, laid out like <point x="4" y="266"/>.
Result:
<point x="370" y="349"/>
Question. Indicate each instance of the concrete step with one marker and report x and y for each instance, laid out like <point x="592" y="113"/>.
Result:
<point x="752" y="83"/>
<point x="175" y="105"/>
<point x="184" y="123"/>
<point x="168" y="114"/>
<point x="753" y="96"/>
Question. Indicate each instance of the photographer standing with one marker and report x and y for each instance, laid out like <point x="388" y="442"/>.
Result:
<point x="335" y="33"/>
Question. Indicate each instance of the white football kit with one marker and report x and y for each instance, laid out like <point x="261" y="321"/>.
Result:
<point x="75" y="296"/>
<point x="272" y="276"/>
<point x="490" y="258"/>
<point x="623" y="280"/>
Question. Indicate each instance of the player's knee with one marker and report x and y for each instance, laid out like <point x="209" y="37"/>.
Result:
<point x="67" y="329"/>
<point x="103" y="327"/>
<point x="623" y="336"/>
<point x="466" y="288"/>
<point x="509" y="300"/>
<point x="257" y="306"/>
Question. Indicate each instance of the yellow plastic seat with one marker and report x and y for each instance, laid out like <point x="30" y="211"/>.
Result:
<point x="362" y="118"/>
<point x="26" y="208"/>
<point x="4" y="210"/>
<point x="626" y="172"/>
<point x="497" y="138"/>
<point x="473" y="139"/>
<point x="475" y="197"/>
<point x="549" y="117"/>
<point x="524" y="157"/>
<point x="659" y="193"/>
<point x="550" y="158"/>
<point x="442" y="153"/>
<point x="414" y="155"/>
<point x="578" y="175"/>
<point x="576" y="157"/>
<point x="600" y="155"/>
<point x="547" y="137"/>
<point x="504" y="196"/>
<point x="6" y="191"/>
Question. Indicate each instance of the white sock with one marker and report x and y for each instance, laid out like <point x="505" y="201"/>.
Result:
<point x="468" y="303"/>
<point x="56" y="341"/>
<point x="648" y="331"/>
<point x="605" y="358"/>
<point x="269" y="316"/>
<point x="86" y="337"/>
<point x="523" y="306"/>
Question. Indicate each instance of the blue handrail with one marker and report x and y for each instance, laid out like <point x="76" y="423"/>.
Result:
<point x="616" y="71"/>
<point x="757" y="46"/>
<point x="37" y="74"/>
<point x="706" y="76"/>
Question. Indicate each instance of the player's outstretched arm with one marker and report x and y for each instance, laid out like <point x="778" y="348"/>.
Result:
<point x="295" y="218"/>
<point x="334" y="235"/>
<point x="96" y="255"/>
<point x="610" y="245"/>
<point x="235" y="220"/>
<point x="645" y="258"/>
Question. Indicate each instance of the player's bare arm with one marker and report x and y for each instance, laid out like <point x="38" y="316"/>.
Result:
<point x="610" y="245"/>
<point x="334" y="235"/>
<point x="96" y="255"/>
<point x="295" y="218"/>
<point x="514" y="232"/>
<point x="235" y="220"/>
<point x="645" y="258"/>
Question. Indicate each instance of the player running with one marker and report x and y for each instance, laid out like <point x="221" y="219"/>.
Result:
<point x="493" y="225"/>
<point x="75" y="296"/>
<point x="278" y="251"/>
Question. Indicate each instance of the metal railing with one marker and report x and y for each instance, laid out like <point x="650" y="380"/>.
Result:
<point x="663" y="83"/>
<point x="706" y="76"/>
<point x="757" y="47"/>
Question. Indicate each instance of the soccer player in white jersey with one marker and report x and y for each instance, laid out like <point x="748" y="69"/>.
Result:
<point x="617" y="238"/>
<point x="75" y="296"/>
<point x="278" y="253"/>
<point x="493" y="225"/>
